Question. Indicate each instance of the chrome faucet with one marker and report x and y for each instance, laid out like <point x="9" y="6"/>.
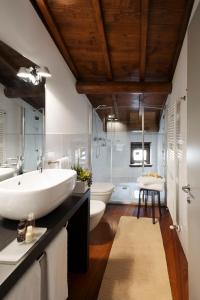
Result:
<point x="40" y="163"/>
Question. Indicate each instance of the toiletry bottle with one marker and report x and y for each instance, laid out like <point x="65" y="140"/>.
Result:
<point x="31" y="222"/>
<point x="31" y="219"/>
<point x="21" y="231"/>
<point x="29" y="234"/>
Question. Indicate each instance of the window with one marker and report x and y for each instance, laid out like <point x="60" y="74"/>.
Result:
<point x="136" y="154"/>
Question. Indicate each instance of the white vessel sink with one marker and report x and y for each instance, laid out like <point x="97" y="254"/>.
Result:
<point x="6" y="173"/>
<point x="35" y="192"/>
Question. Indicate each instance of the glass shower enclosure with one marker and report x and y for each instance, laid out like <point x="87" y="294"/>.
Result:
<point x="120" y="157"/>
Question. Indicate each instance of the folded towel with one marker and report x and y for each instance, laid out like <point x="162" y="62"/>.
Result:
<point x="150" y="180"/>
<point x="56" y="254"/>
<point x="28" y="286"/>
<point x="155" y="186"/>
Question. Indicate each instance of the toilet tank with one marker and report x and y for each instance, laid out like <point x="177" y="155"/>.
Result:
<point x="101" y="191"/>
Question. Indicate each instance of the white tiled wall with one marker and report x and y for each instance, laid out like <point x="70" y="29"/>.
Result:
<point x="76" y="147"/>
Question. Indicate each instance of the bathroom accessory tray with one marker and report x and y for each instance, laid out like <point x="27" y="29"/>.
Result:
<point x="13" y="252"/>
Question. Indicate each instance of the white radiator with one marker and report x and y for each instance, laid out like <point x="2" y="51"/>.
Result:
<point x="171" y="160"/>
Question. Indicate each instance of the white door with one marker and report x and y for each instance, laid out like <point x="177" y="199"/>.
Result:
<point x="193" y="155"/>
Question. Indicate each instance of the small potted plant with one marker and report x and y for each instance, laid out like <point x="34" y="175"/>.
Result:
<point x="84" y="179"/>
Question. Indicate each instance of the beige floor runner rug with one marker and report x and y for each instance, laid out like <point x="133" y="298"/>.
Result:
<point x="137" y="268"/>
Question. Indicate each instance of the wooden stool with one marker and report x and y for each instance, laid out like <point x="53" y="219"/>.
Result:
<point x="144" y="193"/>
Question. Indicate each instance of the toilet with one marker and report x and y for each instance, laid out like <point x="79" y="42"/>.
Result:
<point x="97" y="209"/>
<point x="101" y="191"/>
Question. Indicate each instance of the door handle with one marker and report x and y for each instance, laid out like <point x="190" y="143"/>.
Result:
<point x="186" y="189"/>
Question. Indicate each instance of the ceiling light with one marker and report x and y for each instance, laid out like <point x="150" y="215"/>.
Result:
<point x="34" y="74"/>
<point x="43" y="72"/>
<point x="23" y="72"/>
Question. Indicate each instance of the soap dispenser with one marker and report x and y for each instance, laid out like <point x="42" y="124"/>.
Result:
<point x="30" y="228"/>
<point x="21" y="231"/>
<point x="31" y="219"/>
<point x="29" y="234"/>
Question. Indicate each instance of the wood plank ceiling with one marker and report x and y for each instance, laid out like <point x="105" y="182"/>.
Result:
<point x="10" y="62"/>
<point x="123" y="53"/>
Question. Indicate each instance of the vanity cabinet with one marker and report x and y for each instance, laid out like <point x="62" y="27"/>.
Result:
<point x="75" y="212"/>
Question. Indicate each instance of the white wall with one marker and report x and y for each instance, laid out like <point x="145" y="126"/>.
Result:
<point x="176" y="163"/>
<point x="20" y="27"/>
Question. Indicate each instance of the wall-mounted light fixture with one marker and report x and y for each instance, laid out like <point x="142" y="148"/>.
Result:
<point x="33" y="75"/>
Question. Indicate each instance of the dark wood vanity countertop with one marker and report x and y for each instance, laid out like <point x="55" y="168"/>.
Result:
<point x="54" y="222"/>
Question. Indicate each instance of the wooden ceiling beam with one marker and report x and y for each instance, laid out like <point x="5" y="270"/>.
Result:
<point x="56" y="35"/>
<point x="116" y="87"/>
<point x="7" y="64"/>
<point x="144" y="35"/>
<point x="101" y="29"/>
<point x="24" y="92"/>
<point x="185" y="21"/>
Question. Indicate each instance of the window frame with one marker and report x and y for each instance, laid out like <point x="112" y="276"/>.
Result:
<point x="138" y="145"/>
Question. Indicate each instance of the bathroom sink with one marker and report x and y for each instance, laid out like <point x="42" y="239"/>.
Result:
<point x="35" y="192"/>
<point x="6" y="173"/>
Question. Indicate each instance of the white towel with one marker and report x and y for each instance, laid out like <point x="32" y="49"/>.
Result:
<point x="56" y="254"/>
<point x="150" y="180"/>
<point x="155" y="186"/>
<point x="28" y="286"/>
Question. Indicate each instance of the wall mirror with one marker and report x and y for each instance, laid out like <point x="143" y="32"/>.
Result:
<point x="22" y="111"/>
